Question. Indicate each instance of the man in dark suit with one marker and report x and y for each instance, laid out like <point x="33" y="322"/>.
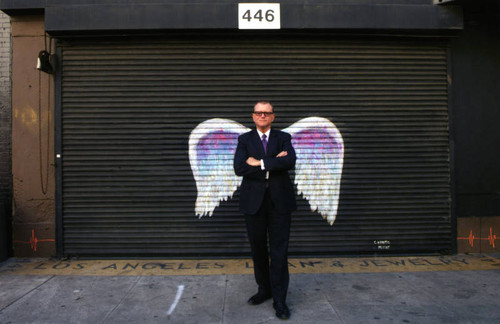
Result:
<point x="267" y="198"/>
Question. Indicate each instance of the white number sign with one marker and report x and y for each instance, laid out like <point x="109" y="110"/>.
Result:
<point x="259" y="16"/>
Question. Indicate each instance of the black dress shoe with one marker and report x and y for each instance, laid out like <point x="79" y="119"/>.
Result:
<point x="282" y="311"/>
<point x="258" y="298"/>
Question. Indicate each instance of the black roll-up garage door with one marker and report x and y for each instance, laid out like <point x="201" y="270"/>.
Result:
<point x="130" y="105"/>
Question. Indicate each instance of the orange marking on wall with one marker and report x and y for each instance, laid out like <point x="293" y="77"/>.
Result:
<point x="491" y="238"/>
<point x="469" y="238"/>
<point x="33" y="242"/>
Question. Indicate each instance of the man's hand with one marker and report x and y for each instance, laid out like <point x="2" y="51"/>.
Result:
<point x="282" y="154"/>
<point x="253" y="162"/>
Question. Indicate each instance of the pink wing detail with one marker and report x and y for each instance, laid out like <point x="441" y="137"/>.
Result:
<point x="211" y="151"/>
<point x="319" y="148"/>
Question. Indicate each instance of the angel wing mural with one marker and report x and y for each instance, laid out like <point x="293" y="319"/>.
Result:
<point x="318" y="145"/>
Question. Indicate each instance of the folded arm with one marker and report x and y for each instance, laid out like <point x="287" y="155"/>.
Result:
<point x="285" y="160"/>
<point x="242" y="168"/>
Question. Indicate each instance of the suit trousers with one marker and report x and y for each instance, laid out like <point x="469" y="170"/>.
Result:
<point x="271" y="278"/>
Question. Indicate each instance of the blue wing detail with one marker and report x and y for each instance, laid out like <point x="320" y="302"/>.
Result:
<point x="211" y="151"/>
<point x="319" y="148"/>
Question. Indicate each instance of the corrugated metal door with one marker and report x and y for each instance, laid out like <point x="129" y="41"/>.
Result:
<point x="129" y="106"/>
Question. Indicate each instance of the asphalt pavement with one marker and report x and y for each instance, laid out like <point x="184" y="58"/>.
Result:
<point x="30" y="293"/>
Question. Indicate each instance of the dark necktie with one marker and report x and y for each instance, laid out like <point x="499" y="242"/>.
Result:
<point x="264" y="143"/>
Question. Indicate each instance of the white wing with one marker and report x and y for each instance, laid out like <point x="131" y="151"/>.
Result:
<point x="211" y="151"/>
<point x="319" y="148"/>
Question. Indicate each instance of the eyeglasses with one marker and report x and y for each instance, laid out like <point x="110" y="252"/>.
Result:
<point x="265" y="113"/>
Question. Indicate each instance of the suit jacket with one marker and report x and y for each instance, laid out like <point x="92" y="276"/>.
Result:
<point x="253" y="186"/>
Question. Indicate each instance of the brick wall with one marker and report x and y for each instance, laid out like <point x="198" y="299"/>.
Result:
<point x="5" y="133"/>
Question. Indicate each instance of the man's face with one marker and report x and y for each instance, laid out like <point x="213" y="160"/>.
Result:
<point x="263" y="121"/>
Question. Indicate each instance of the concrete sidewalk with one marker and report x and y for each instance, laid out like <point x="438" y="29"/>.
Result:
<point x="373" y="297"/>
